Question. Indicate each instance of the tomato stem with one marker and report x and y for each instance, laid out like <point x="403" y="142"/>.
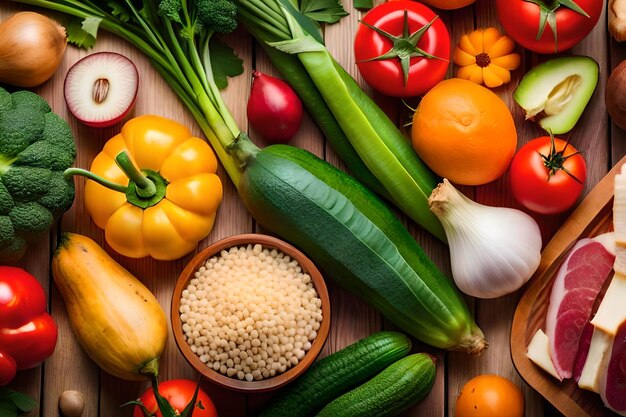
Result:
<point x="555" y="160"/>
<point x="547" y="15"/>
<point x="404" y="46"/>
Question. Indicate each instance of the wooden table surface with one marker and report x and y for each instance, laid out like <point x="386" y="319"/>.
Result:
<point x="352" y="319"/>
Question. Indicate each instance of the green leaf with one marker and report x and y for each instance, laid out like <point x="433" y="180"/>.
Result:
<point x="81" y="33"/>
<point x="13" y="403"/>
<point x="90" y="25"/>
<point x="23" y="401"/>
<point x="363" y="4"/>
<point x="224" y="62"/>
<point x="119" y="11"/>
<point x="306" y="23"/>
<point x="327" y="11"/>
<point x="8" y="410"/>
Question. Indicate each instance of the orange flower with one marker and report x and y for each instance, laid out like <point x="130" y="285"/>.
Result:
<point x="485" y="57"/>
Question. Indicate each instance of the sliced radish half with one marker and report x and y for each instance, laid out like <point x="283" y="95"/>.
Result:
<point x="101" y="89"/>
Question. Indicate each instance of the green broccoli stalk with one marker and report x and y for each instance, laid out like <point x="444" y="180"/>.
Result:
<point x="36" y="146"/>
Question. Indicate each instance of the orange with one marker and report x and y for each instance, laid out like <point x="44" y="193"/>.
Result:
<point x="464" y="132"/>
<point x="489" y="396"/>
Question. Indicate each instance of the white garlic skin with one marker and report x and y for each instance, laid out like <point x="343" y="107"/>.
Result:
<point x="493" y="250"/>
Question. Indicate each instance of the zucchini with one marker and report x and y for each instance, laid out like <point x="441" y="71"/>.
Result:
<point x="334" y="374"/>
<point x="356" y="240"/>
<point x="395" y="389"/>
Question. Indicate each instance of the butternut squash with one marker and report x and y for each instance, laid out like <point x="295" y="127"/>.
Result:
<point x="116" y="319"/>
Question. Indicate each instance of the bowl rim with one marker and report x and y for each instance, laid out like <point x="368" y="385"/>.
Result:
<point x="266" y="241"/>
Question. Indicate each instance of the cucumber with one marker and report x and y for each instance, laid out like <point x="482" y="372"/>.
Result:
<point x="389" y="393"/>
<point x="334" y="374"/>
<point x="356" y="240"/>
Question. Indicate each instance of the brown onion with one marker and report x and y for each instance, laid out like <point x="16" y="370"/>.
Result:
<point x="31" y="48"/>
<point x="616" y="95"/>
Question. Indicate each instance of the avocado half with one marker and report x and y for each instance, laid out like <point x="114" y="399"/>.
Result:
<point x="556" y="92"/>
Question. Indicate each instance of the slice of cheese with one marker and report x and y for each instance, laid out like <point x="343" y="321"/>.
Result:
<point x="538" y="351"/>
<point x="612" y="310"/>
<point x="597" y="361"/>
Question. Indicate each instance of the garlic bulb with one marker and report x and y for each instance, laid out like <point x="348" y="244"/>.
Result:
<point x="493" y="250"/>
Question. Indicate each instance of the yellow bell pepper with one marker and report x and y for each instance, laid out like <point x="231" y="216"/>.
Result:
<point x="165" y="209"/>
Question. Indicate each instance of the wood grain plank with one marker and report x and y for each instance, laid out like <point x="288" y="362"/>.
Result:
<point x="494" y="316"/>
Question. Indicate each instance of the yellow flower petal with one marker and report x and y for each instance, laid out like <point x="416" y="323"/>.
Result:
<point x="466" y="45"/>
<point x="503" y="46"/>
<point x="476" y="39"/>
<point x="509" y="62"/>
<point x="462" y="58"/>
<point x="495" y="76"/>
<point x="491" y="79"/>
<point x="472" y="73"/>
<point x="490" y="37"/>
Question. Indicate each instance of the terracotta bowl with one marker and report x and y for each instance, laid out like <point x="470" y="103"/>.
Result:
<point x="234" y="383"/>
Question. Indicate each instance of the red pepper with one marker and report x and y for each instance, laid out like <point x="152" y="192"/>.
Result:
<point x="28" y="334"/>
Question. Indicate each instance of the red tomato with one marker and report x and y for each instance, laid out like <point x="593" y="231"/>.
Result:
<point x="387" y="75"/>
<point x="178" y="392"/>
<point x="521" y="20"/>
<point x="547" y="180"/>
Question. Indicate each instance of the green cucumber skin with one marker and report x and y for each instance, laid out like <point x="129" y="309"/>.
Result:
<point x="334" y="374"/>
<point x="401" y="385"/>
<point x="356" y="240"/>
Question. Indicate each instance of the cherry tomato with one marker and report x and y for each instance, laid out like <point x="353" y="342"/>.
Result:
<point x="489" y="396"/>
<point x="411" y="67"/>
<point x="178" y="392"/>
<point x="448" y="4"/>
<point x="522" y="21"/>
<point x="547" y="177"/>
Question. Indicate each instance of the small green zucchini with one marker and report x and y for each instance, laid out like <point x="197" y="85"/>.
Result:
<point x="389" y="393"/>
<point x="356" y="239"/>
<point x="333" y="375"/>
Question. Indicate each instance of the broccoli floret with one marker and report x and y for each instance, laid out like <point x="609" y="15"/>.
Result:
<point x="58" y="133"/>
<point x="5" y="100"/>
<point x="44" y="154"/>
<point x="30" y="220"/>
<point x="19" y="128"/>
<point x="7" y="232"/>
<point x="14" y="251"/>
<point x="208" y="16"/>
<point x="60" y="194"/>
<point x="26" y="183"/>
<point x="6" y="201"/>
<point x="36" y="146"/>
<point x="25" y="99"/>
<point x="220" y="16"/>
<point x="171" y="9"/>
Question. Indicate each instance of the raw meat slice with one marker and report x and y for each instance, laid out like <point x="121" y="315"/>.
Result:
<point x="613" y="386"/>
<point x="577" y="284"/>
<point x="583" y="350"/>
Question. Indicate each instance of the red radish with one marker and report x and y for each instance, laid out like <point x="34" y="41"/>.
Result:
<point x="101" y="89"/>
<point x="274" y="109"/>
<point x="578" y="282"/>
